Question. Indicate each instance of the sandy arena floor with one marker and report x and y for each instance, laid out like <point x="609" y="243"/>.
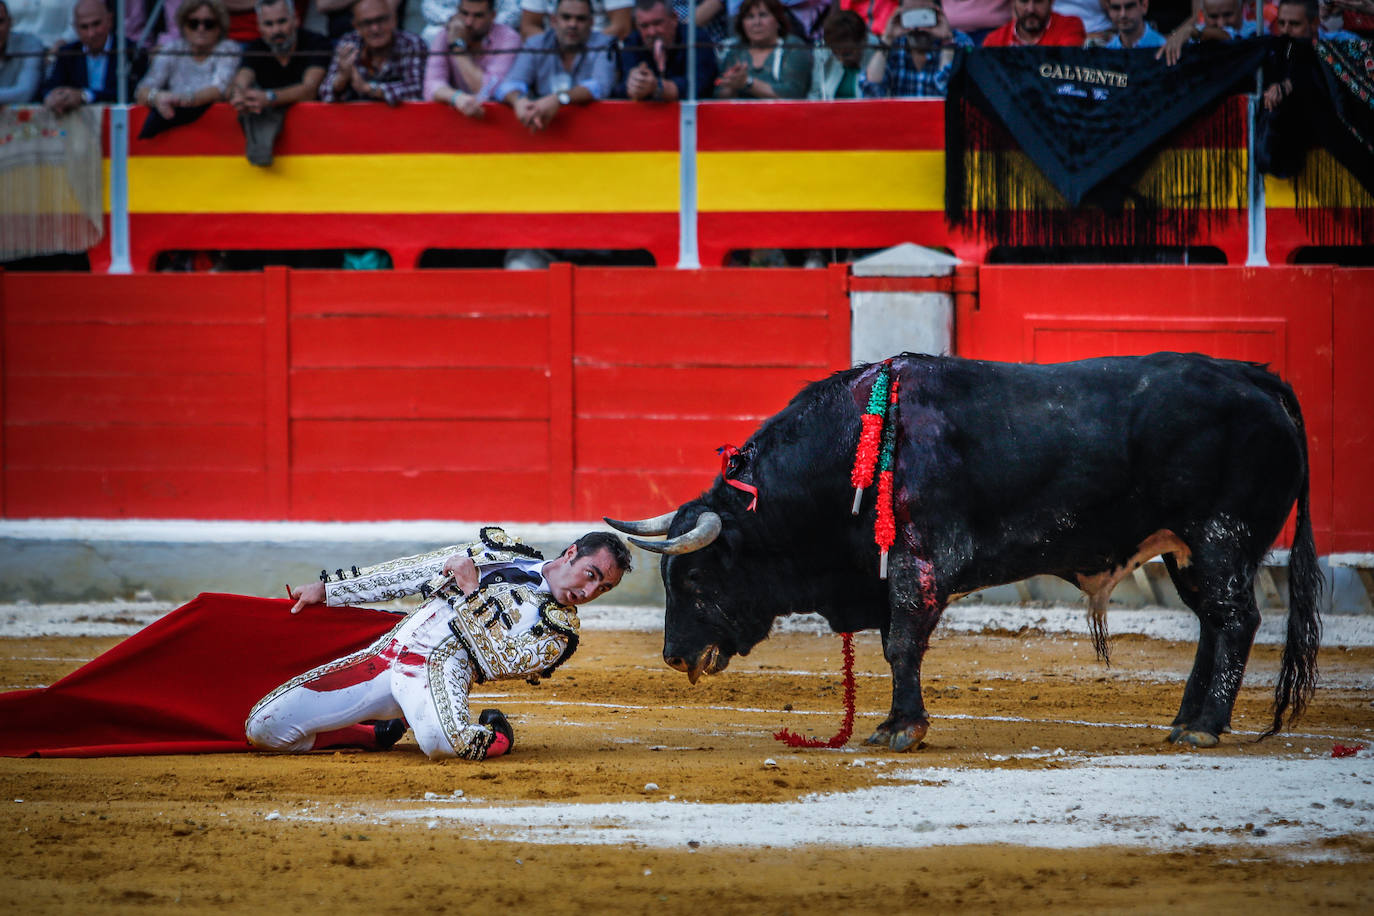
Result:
<point x="1044" y="784"/>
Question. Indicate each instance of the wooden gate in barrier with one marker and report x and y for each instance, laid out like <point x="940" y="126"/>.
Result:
<point x="1314" y="326"/>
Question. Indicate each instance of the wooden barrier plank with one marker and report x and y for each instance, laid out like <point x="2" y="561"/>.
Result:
<point x="655" y="443"/>
<point x="147" y="350"/>
<point x="513" y="495"/>
<point x="170" y="447"/>
<point x="400" y="342"/>
<point x="144" y="299"/>
<point x="404" y="446"/>
<point x="426" y="393"/>
<point x="705" y="292"/>
<point x="275" y="299"/>
<point x="561" y="291"/>
<point x="637" y="494"/>
<point x="672" y="340"/>
<point x="716" y="391"/>
<point x="135" y="493"/>
<point x="151" y="398"/>
<point x="428" y="293"/>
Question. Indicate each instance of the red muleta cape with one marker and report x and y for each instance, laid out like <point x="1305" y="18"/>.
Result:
<point x="185" y="683"/>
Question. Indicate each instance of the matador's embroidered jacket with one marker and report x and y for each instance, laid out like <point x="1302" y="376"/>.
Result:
<point x="510" y="625"/>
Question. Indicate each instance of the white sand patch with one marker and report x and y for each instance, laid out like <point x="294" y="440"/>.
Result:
<point x="121" y="618"/>
<point x="1159" y="801"/>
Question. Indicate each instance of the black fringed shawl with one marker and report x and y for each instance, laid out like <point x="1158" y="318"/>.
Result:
<point x="1334" y="186"/>
<point x="1063" y="146"/>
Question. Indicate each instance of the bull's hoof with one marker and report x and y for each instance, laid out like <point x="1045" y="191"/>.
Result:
<point x="899" y="739"/>
<point x="908" y="737"/>
<point x="1175" y="734"/>
<point x="1195" y="738"/>
<point x="882" y="737"/>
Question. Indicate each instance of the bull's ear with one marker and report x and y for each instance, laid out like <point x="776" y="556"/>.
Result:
<point x="741" y="460"/>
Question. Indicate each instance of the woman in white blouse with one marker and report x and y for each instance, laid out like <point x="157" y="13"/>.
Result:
<point x="195" y="68"/>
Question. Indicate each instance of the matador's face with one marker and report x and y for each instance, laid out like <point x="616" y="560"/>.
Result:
<point x="575" y="580"/>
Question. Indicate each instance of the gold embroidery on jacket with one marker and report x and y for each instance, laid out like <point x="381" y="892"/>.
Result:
<point x="483" y="621"/>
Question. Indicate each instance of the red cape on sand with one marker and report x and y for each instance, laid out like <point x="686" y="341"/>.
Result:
<point x="185" y="683"/>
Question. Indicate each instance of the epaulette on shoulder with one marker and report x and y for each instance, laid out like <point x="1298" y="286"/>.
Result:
<point x="496" y="539"/>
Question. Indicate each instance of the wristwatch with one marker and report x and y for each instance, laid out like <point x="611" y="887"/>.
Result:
<point x="458" y="45"/>
<point x="749" y="82"/>
<point x="271" y="95"/>
<point x="564" y="98"/>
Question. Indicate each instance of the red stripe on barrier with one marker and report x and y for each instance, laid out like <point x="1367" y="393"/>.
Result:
<point x="880" y="124"/>
<point x="314" y="128"/>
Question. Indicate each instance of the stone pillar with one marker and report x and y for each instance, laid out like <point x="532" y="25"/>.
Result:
<point x="890" y="321"/>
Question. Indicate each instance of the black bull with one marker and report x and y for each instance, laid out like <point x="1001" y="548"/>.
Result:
<point x="1002" y="471"/>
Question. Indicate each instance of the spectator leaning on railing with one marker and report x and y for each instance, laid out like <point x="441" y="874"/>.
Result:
<point x="196" y="68"/>
<point x="21" y="62"/>
<point x="470" y="58"/>
<point x="653" y="63"/>
<point x="1033" y="23"/>
<point x="376" y="61"/>
<point x="568" y="65"/>
<point x="917" y="53"/>
<point x="1221" y="21"/>
<point x="768" y="63"/>
<point x="837" y="64"/>
<point x="85" y="71"/>
<point x="1132" y="31"/>
<point x="284" y="66"/>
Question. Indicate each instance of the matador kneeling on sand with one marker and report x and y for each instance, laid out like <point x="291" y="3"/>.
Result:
<point x="492" y="609"/>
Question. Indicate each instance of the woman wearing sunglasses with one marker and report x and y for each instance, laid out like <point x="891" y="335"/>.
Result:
<point x="195" y="68"/>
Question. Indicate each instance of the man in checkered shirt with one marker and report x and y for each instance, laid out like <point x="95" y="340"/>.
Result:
<point x="914" y="60"/>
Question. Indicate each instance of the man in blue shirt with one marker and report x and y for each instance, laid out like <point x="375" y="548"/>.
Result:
<point x="567" y="65"/>
<point x="1132" y="31"/>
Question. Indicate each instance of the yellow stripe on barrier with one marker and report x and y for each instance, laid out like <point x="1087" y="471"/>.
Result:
<point x="780" y="181"/>
<point x="624" y="182"/>
<point x="635" y="182"/>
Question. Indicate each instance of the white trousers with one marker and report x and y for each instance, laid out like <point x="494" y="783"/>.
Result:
<point x="419" y="670"/>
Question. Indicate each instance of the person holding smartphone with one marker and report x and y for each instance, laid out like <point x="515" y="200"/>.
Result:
<point x="916" y="54"/>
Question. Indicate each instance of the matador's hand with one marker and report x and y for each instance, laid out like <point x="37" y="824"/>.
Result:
<point x="463" y="571"/>
<point x="306" y="594"/>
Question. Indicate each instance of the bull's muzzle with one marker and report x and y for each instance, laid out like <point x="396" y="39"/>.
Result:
<point x="706" y="663"/>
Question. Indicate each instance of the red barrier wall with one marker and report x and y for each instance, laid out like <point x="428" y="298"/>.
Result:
<point x="536" y="395"/>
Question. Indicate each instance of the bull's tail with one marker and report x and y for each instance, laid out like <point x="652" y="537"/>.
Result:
<point x="1298" y="670"/>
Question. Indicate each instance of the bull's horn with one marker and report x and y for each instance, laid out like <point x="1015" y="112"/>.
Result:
<point x="657" y="525"/>
<point x="706" y="531"/>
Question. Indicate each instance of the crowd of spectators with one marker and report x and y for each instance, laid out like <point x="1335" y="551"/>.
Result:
<point x="538" y="56"/>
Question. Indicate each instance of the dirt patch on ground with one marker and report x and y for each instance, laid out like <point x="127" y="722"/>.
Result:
<point x="246" y="832"/>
